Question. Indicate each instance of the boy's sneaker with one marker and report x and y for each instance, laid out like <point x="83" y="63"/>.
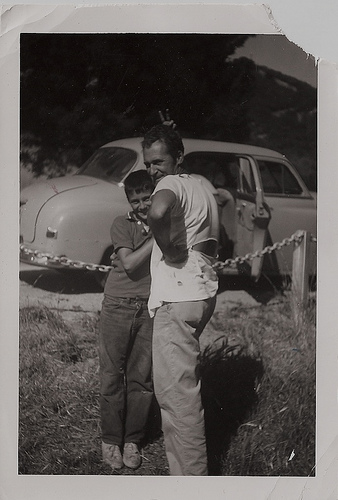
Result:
<point x="111" y="455"/>
<point x="131" y="456"/>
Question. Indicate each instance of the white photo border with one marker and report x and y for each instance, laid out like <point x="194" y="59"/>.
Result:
<point x="209" y="18"/>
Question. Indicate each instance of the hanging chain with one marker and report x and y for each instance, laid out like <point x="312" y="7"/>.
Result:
<point x="218" y="265"/>
<point x="64" y="261"/>
<point x="296" y="237"/>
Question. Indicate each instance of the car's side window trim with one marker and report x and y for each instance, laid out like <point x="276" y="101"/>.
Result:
<point x="305" y="193"/>
<point x="256" y="183"/>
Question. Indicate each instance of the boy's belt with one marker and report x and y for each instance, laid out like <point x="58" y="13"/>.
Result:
<point x="131" y="300"/>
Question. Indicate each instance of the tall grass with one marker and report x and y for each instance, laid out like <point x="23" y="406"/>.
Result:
<point x="258" y="391"/>
<point x="275" y="436"/>
<point x="58" y="395"/>
<point x="59" y="429"/>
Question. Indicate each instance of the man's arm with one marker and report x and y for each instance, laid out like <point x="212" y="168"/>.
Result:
<point x="159" y="220"/>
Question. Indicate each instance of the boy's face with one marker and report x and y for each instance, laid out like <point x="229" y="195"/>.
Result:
<point x="140" y="203"/>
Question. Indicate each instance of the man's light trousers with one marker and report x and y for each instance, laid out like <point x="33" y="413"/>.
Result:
<point x="176" y="351"/>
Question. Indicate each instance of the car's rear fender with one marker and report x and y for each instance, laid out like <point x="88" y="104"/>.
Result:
<point x="78" y="231"/>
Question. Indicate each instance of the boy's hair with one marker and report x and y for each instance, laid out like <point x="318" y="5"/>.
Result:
<point x="137" y="182"/>
<point x="168" y="136"/>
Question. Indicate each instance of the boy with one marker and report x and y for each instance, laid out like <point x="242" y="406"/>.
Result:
<point x="126" y="331"/>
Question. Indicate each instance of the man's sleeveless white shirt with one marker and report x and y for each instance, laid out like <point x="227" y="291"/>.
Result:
<point x="194" y="218"/>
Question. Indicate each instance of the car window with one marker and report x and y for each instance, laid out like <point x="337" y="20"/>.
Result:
<point x="109" y="164"/>
<point x="221" y="169"/>
<point x="277" y="178"/>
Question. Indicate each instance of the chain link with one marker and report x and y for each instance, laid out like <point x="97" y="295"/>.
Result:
<point x="296" y="237"/>
<point x="64" y="261"/>
<point x="218" y="265"/>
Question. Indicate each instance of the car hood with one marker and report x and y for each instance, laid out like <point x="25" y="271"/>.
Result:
<point x="35" y="196"/>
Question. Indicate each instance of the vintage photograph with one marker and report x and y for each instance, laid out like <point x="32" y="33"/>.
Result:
<point x="168" y="251"/>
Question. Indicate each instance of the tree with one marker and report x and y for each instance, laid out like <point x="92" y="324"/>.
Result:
<point x="79" y="91"/>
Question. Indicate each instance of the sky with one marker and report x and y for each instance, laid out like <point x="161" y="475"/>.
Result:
<point x="278" y="53"/>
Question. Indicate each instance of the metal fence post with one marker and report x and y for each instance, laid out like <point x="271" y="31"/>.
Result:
<point x="300" y="276"/>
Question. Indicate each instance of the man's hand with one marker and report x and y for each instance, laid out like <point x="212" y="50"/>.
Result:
<point x="175" y="254"/>
<point x="166" y="119"/>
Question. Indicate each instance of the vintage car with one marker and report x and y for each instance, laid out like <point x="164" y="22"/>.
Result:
<point x="262" y="200"/>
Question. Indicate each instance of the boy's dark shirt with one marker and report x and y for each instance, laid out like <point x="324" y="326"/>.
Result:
<point x="127" y="232"/>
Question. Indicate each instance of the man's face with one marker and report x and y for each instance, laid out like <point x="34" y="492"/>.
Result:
<point x="159" y="162"/>
<point x="140" y="203"/>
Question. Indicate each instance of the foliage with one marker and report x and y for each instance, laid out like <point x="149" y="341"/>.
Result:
<point x="283" y="115"/>
<point x="258" y="380"/>
<point x="79" y="91"/>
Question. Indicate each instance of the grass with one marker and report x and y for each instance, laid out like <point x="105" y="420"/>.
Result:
<point x="271" y="394"/>
<point x="59" y="409"/>
<point x="258" y="391"/>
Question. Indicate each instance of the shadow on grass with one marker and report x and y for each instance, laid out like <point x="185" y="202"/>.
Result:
<point x="61" y="281"/>
<point x="154" y="424"/>
<point x="262" y="291"/>
<point x="229" y="395"/>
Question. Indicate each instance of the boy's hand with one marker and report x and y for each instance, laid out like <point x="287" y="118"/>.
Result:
<point x="166" y="120"/>
<point x="112" y="259"/>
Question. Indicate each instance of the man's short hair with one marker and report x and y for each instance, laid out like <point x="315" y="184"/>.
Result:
<point x="168" y="136"/>
<point x="137" y="182"/>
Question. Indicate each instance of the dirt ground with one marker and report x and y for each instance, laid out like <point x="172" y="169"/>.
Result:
<point x="74" y="294"/>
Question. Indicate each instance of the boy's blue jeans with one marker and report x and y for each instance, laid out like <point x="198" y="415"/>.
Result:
<point x="125" y="369"/>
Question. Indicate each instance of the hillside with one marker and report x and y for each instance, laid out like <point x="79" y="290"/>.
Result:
<point x="283" y="116"/>
<point x="263" y="107"/>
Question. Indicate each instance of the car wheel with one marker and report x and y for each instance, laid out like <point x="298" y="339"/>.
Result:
<point x="100" y="278"/>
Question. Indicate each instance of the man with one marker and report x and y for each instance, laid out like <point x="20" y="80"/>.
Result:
<point x="184" y="220"/>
